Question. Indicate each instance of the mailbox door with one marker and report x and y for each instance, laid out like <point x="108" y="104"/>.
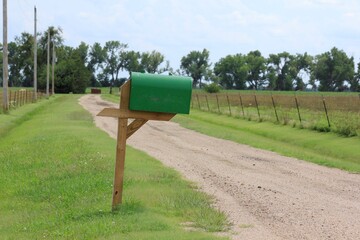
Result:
<point x="160" y="93"/>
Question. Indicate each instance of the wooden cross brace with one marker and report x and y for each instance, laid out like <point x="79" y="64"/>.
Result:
<point x="124" y="132"/>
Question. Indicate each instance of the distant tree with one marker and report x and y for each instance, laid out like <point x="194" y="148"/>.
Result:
<point x="332" y="69"/>
<point x="151" y="61"/>
<point x="21" y="60"/>
<point x="232" y="71"/>
<point x="72" y="74"/>
<point x="256" y="66"/>
<point x="96" y="57"/>
<point x="131" y="61"/>
<point x="55" y="39"/>
<point x="355" y="81"/>
<point x="278" y="66"/>
<point x="112" y="63"/>
<point x="300" y="67"/>
<point x="196" y="64"/>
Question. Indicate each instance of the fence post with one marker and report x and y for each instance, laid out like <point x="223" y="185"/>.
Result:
<point x="10" y="102"/>
<point x="257" y="106"/>
<point x="273" y="102"/>
<point x="297" y="107"/>
<point x="207" y="103"/>
<point x="197" y="97"/>
<point x="242" y="106"/>
<point x="192" y="101"/>
<point x="217" y="100"/>
<point x="20" y="100"/>
<point x="227" y="97"/>
<point x="326" y="111"/>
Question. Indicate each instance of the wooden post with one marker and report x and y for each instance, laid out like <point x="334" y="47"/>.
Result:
<point x="217" y="101"/>
<point x="35" y="57"/>
<point x="197" y="97"/>
<point x="5" y="60"/>
<point x="121" y="148"/>
<point x="242" y="106"/>
<point x="48" y="65"/>
<point x="326" y="111"/>
<point x="53" y="71"/>
<point x="207" y="103"/>
<point x="257" y="106"/>
<point x="228" y="101"/>
<point x="273" y="102"/>
<point x="10" y="99"/>
<point x="298" y="109"/>
<point x="125" y="131"/>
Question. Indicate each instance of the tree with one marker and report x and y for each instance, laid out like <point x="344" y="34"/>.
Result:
<point x="112" y="63"/>
<point x="151" y="61"/>
<point x="97" y="57"/>
<point x="72" y="73"/>
<point x="355" y="81"/>
<point x="279" y="70"/>
<point x="21" y="60"/>
<point x="332" y="69"/>
<point x="256" y="65"/>
<point x="300" y="66"/>
<point x="196" y="64"/>
<point x="131" y="61"/>
<point x="232" y="71"/>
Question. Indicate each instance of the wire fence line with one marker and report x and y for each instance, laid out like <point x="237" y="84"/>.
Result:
<point x="20" y="97"/>
<point x="339" y="114"/>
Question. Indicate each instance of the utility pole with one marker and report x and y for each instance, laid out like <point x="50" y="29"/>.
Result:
<point x="35" y="57"/>
<point x="53" y="69"/>
<point x="48" y="65"/>
<point x="5" y="59"/>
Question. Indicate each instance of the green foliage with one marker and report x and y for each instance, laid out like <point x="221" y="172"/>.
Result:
<point x="332" y="69"/>
<point x="256" y="65"/>
<point x="279" y="66"/>
<point x="232" y="71"/>
<point x="151" y="61"/>
<point x="71" y="73"/>
<point x="212" y="88"/>
<point x="196" y="64"/>
<point x="56" y="175"/>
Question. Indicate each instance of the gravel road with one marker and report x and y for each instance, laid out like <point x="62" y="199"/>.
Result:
<point x="265" y="195"/>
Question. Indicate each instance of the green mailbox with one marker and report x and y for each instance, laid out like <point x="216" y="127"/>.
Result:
<point x="160" y="93"/>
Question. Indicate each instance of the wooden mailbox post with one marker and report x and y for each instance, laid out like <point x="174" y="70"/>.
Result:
<point x="145" y="97"/>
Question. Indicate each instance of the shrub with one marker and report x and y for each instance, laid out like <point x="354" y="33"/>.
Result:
<point x="212" y="88"/>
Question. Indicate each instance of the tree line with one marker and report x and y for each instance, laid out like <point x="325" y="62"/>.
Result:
<point x="100" y="66"/>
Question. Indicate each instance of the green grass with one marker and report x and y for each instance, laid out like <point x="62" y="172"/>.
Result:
<point x="322" y="148"/>
<point x="56" y="174"/>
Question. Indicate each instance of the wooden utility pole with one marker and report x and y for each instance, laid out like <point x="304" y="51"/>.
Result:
<point x="35" y="57"/>
<point x="48" y="65"/>
<point x="52" y="70"/>
<point x="5" y="59"/>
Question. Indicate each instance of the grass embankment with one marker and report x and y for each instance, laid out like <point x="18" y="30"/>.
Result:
<point x="56" y="173"/>
<point x="326" y="149"/>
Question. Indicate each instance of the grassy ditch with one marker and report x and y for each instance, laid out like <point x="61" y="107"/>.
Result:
<point x="56" y="173"/>
<point x="322" y="148"/>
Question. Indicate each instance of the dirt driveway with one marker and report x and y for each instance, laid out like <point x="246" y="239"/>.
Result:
<point x="265" y="195"/>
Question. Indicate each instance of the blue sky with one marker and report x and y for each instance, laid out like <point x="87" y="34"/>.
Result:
<point x="176" y="27"/>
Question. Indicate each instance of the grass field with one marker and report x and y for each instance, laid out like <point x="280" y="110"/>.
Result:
<point x="336" y="113"/>
<point x="56" y="173"/>
<point x="326" y="149"/>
